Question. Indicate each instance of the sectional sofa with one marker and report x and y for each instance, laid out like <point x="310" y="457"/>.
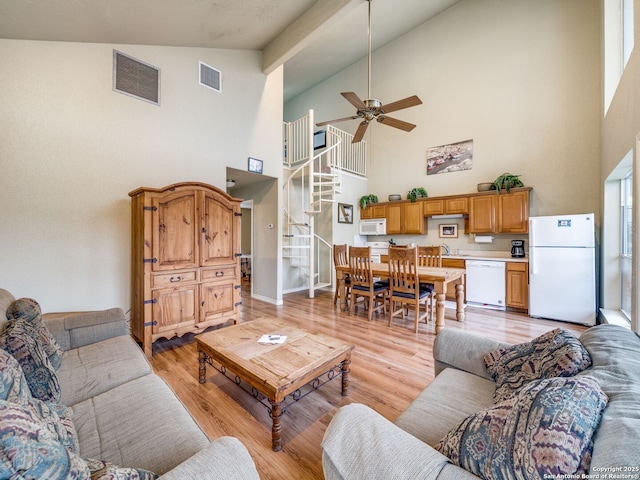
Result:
<point x="123" y="413"/>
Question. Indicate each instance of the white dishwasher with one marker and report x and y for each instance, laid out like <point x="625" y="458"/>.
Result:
<point x="485" y="284"/>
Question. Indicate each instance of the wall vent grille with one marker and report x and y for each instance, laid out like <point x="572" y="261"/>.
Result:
<point x="210" y="77"/>
<point x="135" y="78"/>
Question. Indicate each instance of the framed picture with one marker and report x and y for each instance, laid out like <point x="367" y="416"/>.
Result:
<point x="345" y="213"/>
<point x="448" y="231"/>
<point x="255" y="165"/>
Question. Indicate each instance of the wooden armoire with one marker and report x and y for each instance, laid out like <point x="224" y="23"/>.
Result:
<point x="185" y="272"/>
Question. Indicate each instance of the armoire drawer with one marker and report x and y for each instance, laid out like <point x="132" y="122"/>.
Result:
<point x="218" y="272"/>
<point x="174" y="278"/>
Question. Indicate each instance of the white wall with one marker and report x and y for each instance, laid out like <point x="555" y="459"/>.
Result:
<point x="521" y="78"/>
<point x="71" y="149"/>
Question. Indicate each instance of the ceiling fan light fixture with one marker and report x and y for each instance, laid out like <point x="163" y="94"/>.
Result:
<point x="371" y="108"/>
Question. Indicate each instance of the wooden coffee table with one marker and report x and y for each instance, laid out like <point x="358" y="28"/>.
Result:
<point x="283" y="373"/>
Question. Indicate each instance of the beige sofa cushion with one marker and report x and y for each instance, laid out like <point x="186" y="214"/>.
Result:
<point x="139" y="424"/>
<point x="429" y="418"/>
<point x="93" y="369"/>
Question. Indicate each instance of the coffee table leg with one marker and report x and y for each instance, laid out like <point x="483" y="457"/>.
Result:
<point x="345" y="376"/>
<point x="202" y="366"/>
<point x="276" y="429"/>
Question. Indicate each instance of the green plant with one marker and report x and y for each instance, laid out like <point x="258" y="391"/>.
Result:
<point x="367" y="199"/>
<point x="507" y="181"/>
<point x="416" y="193"/>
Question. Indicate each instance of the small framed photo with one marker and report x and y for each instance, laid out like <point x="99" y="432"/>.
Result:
<point x="448" y="231"/>
<point x="255" y="165"/>
<point x="345" y="213"/>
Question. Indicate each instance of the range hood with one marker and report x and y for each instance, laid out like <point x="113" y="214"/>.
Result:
<point x="451" y="215"/>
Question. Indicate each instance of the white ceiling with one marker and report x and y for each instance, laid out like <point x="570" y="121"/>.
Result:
<point x="313" y="38"/>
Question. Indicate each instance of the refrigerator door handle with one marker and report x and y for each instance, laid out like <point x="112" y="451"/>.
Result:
<point x="532" y="262"/>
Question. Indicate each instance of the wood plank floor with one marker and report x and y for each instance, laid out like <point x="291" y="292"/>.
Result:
<point x="390" y="366"/>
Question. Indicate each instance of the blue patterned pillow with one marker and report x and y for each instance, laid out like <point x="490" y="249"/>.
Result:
<point x="17" y="339"/>
<point x="28" y="449"/>
<point x="101" y="470"/>
<point x="557" y="353"/>
<point x="28" y="309"/>
<point x="13" y="384"/>
<point x="543" y="431"/>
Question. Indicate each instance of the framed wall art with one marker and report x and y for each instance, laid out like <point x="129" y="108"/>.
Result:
<point x="448" y="230"/>
<point x="345" y="213"/>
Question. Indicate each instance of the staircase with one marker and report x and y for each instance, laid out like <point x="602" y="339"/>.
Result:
<point x="311" y="183"/>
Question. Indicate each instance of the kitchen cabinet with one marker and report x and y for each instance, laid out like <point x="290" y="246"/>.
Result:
<point x="404" y="217"/>
<point x="185" y="260"/>
<point x="445" y="206"/>
<point x="372" y="211"/>
<point x="413" y="221"/>
<point x="456" y="205"/>
<point x="513" y="212"/>
<point x="454" y="263"/>
<point x="517" y="285"/>
<point x="499" y="213"/>
<point x="482" y="214"/>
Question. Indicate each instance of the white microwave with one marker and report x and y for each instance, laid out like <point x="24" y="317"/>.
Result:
<point x="377" y="226"/>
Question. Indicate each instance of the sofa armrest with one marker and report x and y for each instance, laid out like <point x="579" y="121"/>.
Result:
<point x="223" y="459"/>
<point x="76" y="329"/>
<point x="360" y="443"/>
<point x="463" y="350"/>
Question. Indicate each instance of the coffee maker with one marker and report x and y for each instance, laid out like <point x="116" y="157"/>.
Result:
<point x="517" y="248"/>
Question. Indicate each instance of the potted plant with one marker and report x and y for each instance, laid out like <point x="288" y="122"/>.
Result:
<point x="416" y="193"/>
<point x="507" y="181"/>
<point x="367" y="199"/>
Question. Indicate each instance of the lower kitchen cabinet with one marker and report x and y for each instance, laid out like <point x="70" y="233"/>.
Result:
<point x="517" y="282"/>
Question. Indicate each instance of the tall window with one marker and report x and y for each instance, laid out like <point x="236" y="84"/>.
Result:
<point x="626" y="223"/>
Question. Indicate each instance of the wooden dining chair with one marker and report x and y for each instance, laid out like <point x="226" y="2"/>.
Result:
<point x="375" y="293"/>
<point x="430" y="256"/>
<point x="341" y="258"/>
<point x="404" y="284"/>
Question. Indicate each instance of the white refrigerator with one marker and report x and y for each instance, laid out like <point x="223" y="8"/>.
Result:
<point x="562" y="268"/>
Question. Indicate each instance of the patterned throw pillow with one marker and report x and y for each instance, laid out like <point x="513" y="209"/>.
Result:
<point x="544" y="431"/>
<point x="17" y="339"/>
<point x="13" y="384"/>
<point x="557" y="353"/>
<point x="29" y="450"/>
<point x="101" y="470"/>
<point x="29" y="310"/>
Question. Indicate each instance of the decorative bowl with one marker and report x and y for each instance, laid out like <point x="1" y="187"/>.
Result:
<point x="394" y="197"/>
<point x="485" y="187"/>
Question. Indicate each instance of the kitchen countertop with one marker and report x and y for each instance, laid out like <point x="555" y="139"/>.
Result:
<point x="484" y="255"/>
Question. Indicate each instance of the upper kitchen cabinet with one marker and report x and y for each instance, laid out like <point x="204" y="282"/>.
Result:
<point x="500" y="213"/>
<point x="373" y="211"/>
<point x="405" y="217"/>
<point x="445" y="206"/>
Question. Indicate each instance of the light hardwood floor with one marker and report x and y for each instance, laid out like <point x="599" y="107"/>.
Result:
<point x="390" y="366"/>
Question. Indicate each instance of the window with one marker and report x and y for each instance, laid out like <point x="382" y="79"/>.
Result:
<point x="626" y="237"/>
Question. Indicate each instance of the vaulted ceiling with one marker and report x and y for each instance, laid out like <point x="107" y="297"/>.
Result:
<point x="314" y="39"/>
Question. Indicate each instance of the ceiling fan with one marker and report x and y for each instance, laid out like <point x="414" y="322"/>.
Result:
<point x="373" y="109"/>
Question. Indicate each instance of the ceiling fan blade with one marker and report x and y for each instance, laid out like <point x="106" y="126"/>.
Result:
<point x="400" y="104"/>
<point x="394" y="122"/>
<point x="353" y="99"/>
<point x="353" y="117"/>
<point x="362" y="128"/>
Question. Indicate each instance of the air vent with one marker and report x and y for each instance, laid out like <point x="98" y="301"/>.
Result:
<point x="210" y="77"/>
<point x="135" y="78"/>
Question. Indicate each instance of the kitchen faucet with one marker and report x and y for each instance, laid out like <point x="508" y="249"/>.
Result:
<point x="447" y="251"/>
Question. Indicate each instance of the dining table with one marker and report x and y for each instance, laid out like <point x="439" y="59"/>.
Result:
<point x="440" y="277"/>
